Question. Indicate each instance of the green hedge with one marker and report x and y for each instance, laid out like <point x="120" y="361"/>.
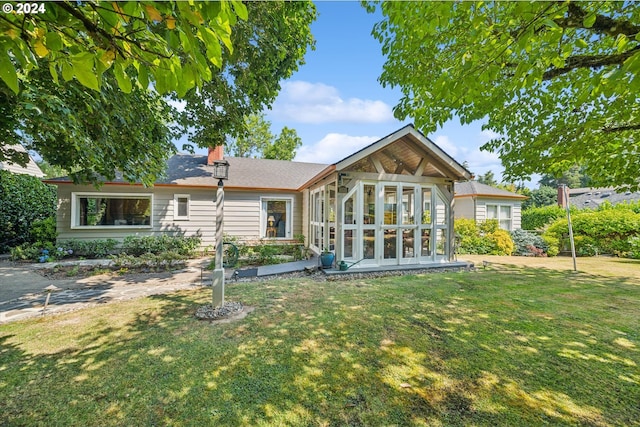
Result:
<point x="538" y="218"/>
<point x="608" y="230"/>
<point x="24" y="199"/>
<point x="484" y="238"/>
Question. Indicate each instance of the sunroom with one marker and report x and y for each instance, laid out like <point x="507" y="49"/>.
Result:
<point x="389" y="204"/>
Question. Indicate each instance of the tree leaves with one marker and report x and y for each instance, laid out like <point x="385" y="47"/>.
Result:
<point x="558" y="81"/>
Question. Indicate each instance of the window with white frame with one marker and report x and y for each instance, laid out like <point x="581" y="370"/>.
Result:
<point x="276" y="218"/>
<point x="502" y="213"/>
<point x="181" y="204"/>
<point x="111" y="210"/>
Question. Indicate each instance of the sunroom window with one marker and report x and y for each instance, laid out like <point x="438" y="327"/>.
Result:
<point x="111" y="210"/>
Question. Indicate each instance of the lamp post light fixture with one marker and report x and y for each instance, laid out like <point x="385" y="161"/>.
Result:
<point x="220" y="172"/>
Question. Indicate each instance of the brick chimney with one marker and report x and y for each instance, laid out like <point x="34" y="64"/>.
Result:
<point x="563" y="196"/>
<point x="215" y="153"/>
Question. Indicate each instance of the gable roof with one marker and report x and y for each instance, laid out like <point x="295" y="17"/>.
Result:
<point x="477" y="189"/>
<point x="31" y="168"/>
<point x="406" y="151"/>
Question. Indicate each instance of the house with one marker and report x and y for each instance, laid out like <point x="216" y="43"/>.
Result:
<point x="591" y="198"/>
<point x="390" y="203"/>
<point x="478" y="201"/>
<point x="30" y="169"/>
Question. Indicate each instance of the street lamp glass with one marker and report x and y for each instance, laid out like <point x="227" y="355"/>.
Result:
<point x="221" y="169"/>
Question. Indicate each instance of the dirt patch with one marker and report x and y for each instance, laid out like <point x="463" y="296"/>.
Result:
<point x="62" y="272"/>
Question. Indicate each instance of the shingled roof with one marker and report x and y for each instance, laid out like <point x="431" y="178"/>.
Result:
<point x="475" y="188"/>
<point x="191" y="170"/>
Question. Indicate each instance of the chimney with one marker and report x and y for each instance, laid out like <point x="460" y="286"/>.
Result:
<point x="215" y="153"/>
<point x="563" y="196"/>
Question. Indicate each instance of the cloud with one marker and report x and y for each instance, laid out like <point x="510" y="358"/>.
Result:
<point x="333" y="148"/>
<point x="305" y="102"/>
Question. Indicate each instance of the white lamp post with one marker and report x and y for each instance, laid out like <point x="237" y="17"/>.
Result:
<point x="220" y="172"/>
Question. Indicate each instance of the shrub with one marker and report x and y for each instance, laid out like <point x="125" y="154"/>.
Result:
<point x="500" y="242"/>
<point x="44" y="230"/>
<point x="604" y="231"/>
<point x="138" y="245"/>
<point x="482" y="238"/>
<point x="23" y="200"/>
<point x="91" y="248"/>
<point x="528" y="244"/>
<point x="538" y="218"/>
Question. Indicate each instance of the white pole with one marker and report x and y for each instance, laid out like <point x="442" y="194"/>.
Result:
<point x="218" y="273"/>
<point x="573" y="245"/>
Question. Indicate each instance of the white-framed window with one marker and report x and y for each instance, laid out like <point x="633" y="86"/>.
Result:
<point x="108" y="210"/>
<point x="502" y="213"/>
<point x="181" y="204"/>
<point x="276" y="217"/>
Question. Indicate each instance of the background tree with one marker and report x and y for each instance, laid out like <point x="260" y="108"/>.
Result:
<point x="543" y="196"/>
<point x="557" y="80"/>
<point x="488" y="178"/>
<point x="284" y="146"/>
<point x="257" y="141"/>
<point x="573" y="178"/>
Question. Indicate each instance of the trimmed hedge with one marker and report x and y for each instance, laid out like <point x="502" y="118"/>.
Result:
<point x="538" y="218"/>
<point x="24" y="199"/>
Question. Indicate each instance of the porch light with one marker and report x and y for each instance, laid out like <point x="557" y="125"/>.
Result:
<point x="220" y="170"/>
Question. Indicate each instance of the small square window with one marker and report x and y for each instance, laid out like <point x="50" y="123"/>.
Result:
<point x="181" y="206"/>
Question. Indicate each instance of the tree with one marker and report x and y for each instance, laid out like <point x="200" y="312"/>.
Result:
<point x="543" y="196"/>
<point x="258" y="141"/>
<point x="95" y="134"/>
<point x="573" y="178"/>
<point x="488" y="178"/>
<point x="90" y="134"/>
<point x="268" y="48"/>
<point x="284" y="146"/>
<point x="161" y="42"/>
<point x="51" y="171"/>
<point x="558" y="81"/>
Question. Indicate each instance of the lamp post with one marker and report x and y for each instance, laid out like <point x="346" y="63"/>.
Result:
<point x="220" y="172"/>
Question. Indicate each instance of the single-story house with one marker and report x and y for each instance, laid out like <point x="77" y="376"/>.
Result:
<point x="390" y="203"/>
<point x="478" y="201"/>
<point x="31" y="168"/>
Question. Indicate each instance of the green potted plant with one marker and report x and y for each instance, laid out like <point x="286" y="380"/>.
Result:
<point x="326" y="258"/>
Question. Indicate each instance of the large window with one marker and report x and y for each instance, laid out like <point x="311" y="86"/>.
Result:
<point x="111" y="210"/>
<point x="276" y="217"/>
<point x="502" y="213"/>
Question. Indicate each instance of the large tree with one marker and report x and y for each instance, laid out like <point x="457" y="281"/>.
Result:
<point x="557" y="81"/>
<point x="268" y="48"/>
<point x="257" y="141"/>
<point x="94" y="133"/>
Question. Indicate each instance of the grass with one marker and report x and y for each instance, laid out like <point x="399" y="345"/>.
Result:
<point x="506" y="345"/>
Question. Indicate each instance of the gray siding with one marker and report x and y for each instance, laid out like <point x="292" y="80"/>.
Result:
<point x="241" y="211"/>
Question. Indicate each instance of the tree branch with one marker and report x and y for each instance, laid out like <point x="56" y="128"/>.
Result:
<point x="603" y="24"/>
<point x="611" y="129"/>
<point x="589" y="61"/>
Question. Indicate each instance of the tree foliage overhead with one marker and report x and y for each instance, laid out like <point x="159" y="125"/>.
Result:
<point x="268" y="48"/>
<point x="559" y="81"/>
<point x="175" y="44"/>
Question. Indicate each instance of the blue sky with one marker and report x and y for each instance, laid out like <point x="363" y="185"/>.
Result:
<point x="337" y="106"/>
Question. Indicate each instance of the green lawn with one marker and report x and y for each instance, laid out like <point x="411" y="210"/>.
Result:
<point x="505" y="345"/>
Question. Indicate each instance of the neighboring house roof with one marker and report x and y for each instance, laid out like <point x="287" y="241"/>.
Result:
<point x="477" y="189"/>
<point x="30" y="169"/>
<point x="191" y="170"/>
<point x="594" y="197"/>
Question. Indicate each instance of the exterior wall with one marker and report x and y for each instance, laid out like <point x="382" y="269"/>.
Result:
<point x="242" y="213"/>
<point x="481" y="209"/>
<point x="464" y="207"/>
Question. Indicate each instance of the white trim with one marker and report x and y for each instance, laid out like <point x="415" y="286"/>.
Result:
<point x="74" y="210"/>
<point x="290" y="210"/>
<point x="176" y="216"/>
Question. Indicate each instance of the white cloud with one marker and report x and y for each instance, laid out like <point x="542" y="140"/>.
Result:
<point x="449" y="147"/>
<point x="306" y="102"/>
<point x="333" y="148"/>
